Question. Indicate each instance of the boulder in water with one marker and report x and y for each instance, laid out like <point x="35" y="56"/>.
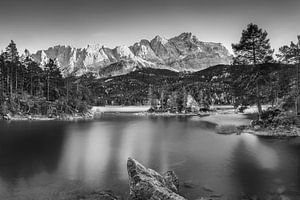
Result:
<point x="148" y="184"/>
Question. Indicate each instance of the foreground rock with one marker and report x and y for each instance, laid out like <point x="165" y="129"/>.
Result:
<point x="148" y="184"/>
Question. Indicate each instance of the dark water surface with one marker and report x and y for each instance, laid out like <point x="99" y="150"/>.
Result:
<point x="55" y="160"/>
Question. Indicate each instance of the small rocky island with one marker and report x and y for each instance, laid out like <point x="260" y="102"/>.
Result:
<point x="148" y="184"/>
<point x="145" y="183"/>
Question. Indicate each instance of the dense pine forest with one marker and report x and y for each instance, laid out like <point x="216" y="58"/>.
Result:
<point x="28" y="88"/>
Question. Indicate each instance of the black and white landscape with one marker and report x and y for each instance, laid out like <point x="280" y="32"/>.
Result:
<point x="160" y="99"/>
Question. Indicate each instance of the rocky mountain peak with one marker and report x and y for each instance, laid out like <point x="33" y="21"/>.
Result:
<point x="181" y="53"/>
<point x="123" y="52"/>
<point x="185" y="36"/>
<point x="159" y="39"/>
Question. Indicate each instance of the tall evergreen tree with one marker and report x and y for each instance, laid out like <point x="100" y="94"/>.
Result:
<point x="53" y="80"/>
<point x="33" y="76"/>
<point x="254" y="48"/>
<point x="12" y="54"/>
<point x="11" y="57"/>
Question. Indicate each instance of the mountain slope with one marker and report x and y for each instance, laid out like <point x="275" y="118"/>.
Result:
<point x="181" y="53"/>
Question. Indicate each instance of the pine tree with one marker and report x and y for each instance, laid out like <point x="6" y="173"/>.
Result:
<point x="254" y="48"/>
<point x="11" y="57"/>
<point x="12" y="54"/>
<point x="33" y="75"/>
<point x="53" y="80"/>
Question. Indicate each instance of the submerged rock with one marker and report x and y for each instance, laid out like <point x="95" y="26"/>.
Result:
<point x="148" y="184"/>
<point x="103" y="195"/>
<point x="188" y="184"/>
<point x="226" y="129"/>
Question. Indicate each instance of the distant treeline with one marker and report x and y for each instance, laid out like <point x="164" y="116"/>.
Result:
<point x="221" y="84"/>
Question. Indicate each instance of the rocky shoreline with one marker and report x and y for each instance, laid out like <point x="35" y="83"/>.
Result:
<point x="274" y="123"/>
<point x="166" y="114"/>
<point x="278" y="132"/>
<point x="62" y="117"/>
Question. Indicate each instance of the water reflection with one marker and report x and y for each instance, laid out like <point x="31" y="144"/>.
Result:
<point x="27" y="149"/>
<point x="39" y="157"/>
<point x="249" y="176"/>
<point x="86" y="153"/>
<point x="266" y="156"/>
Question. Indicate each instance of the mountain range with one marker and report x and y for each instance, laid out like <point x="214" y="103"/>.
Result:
<point x="181" y="53"/>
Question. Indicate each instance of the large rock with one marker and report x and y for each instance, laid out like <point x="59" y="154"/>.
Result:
<point x="181" y="53"/>
<point x="148" y="184"/>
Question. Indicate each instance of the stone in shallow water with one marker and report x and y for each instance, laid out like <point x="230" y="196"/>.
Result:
<point x="148" y="184"/>
<point x="103" y="195"/>
<point x="189" y="184"/>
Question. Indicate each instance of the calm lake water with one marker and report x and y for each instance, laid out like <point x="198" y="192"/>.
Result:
<point x="56" y="160"/>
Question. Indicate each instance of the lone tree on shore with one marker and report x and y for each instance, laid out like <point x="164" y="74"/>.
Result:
<point x="254" y="48"/>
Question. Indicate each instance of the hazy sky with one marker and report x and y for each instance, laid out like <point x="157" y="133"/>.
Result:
<point x="39" y="24"/>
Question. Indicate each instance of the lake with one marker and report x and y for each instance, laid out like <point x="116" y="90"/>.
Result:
<point x="56" y="160"/>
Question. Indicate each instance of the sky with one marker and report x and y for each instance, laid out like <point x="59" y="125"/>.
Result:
<point x="39" y="24"/>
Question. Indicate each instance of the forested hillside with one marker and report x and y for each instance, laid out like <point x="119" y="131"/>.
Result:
<point x="221" y="84"/>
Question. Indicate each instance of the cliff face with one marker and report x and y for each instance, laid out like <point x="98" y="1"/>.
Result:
<point x="181" y="53"/>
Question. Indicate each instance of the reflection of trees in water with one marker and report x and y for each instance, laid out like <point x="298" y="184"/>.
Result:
<point x="28" y="149"/>
<point x="248" y="176"/>
<point x="289" y="153"/>
<point x="297" y="152"/>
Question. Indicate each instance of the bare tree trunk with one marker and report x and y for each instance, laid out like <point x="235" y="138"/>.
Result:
<point x="257" y="84"/>
<point x="162" y="99"/>
<point x="2" y="80"/>
<point x="10" y="83"/>
<point x="258" y="100"/>
<point x="48" y="88"/>
<point x="77" y="87"/>
<point x="297" y="102"/>
<point x="22" y="82"/>
<point x="30" y="83"/>
<point x="7" y="81"/>
<point x="67" y="89"/>
<point x="16" y="77"/>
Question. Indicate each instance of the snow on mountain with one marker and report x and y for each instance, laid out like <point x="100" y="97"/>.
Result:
<point x="181" y="53"/>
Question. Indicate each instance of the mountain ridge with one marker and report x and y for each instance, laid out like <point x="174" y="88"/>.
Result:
<point x="180" y="53"/>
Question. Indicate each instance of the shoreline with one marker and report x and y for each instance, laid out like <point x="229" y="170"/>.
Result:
<point x="279" y="132"/>
<point x="246" y="128"/>
<point x="62" y="117"/>
<point x="214" y="117"/>
<point x="166" y="114"/>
